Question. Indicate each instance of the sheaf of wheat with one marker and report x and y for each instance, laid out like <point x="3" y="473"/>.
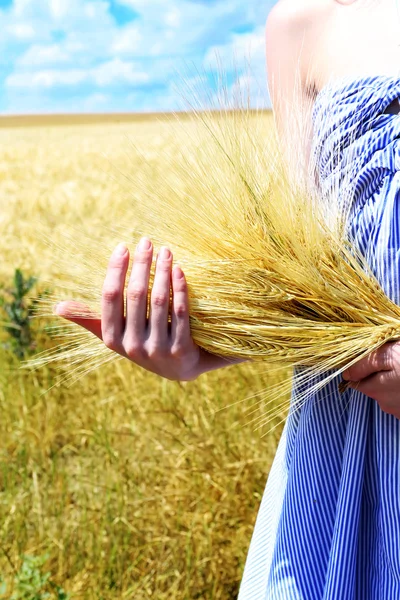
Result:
<point x="272" y="276"/>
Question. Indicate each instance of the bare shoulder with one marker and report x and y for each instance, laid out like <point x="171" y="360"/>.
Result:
<point x="292" y="32"/>
<point x="289" y="15"/>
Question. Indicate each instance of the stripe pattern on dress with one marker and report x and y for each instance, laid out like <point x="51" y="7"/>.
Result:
<point x="328" y="527"/>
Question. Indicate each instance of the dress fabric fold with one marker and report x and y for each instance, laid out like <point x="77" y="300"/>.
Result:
<point x="328" y="526"/>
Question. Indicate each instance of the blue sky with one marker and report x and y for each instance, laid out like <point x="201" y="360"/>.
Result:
<point x="125" y="55"/>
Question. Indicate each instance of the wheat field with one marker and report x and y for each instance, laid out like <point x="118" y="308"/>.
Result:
<point x="123" y="484"/>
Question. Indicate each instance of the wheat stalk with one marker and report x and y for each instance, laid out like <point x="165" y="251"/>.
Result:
<point x="271" y="278"/>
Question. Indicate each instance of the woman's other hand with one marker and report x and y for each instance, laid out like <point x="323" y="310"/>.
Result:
<point x="158" y="344"/>
<point x="378" y="376"/>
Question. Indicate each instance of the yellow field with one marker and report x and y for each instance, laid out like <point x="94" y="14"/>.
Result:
<point x="127" y="486"/>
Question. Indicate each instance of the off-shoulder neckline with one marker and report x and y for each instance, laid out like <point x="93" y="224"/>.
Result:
<point x="342" y="84"/>
<point x="338" y="87"/>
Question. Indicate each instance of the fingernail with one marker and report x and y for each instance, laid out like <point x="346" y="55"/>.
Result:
<point x="144" y="244"/>
<point x="120" y="250"/>
<point x="165" y="254"/>
<point x="57" y="308"/>
<point x="178" y="273"/>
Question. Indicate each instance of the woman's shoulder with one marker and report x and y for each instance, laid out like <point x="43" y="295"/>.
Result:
<point x="292" y="31"/>
<point x="335" y="38"/>
<point x="292" y="13"/>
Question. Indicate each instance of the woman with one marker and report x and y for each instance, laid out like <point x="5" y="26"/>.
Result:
<point x="328" y="527"/>
<point x="329" y="524"/>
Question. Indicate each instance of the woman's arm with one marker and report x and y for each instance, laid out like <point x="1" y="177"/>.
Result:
<point x="292" y="32"/>
<point x="285" y="49"/>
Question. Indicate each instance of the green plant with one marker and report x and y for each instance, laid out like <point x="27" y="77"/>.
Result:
<point x="30" y="583"/>
<point x="18" y="310"/>
<point x="130" y="470"/>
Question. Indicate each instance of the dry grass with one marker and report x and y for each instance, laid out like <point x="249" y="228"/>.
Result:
<point x="138" y="487"/>
<point x="87" y="119"/>
<point x="271" y="275"/>
<point x="135" y="487"/>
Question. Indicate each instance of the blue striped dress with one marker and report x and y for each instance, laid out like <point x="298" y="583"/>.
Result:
<point x="329" y="523"/>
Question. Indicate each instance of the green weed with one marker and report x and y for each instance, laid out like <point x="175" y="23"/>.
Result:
<point x="18" y="310"/>
<point x="32" y="583"/>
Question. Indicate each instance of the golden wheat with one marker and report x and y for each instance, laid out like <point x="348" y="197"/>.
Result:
<point x="133" y="486"/>
<point x="271" y="277"/>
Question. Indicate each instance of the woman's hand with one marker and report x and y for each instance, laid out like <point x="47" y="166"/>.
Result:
<point x="153" y="343"/>
<point x="378" y="376"/>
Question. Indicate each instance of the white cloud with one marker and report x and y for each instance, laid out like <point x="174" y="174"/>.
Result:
<point x="173" y="18"/>
<point x="45" y="79"/>
<point x="20" y="31"/>
<point x="182" y="27"/>
<point x="21" y="6"/>
<point x="96" y="10"/>
<point x="241" y="48"/>
<point x="96" y="102"/>
<point x="118" y="71"/>
<point x="65" y="52"/>
<point x="38" y="55"/>
<point x="58" y="8"/>
<point x="245" y="54"/>
<point x="127" y="41"/>
<point x="109" y="73"/>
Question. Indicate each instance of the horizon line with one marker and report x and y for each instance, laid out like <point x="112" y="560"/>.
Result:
<point x="26" y="119"/>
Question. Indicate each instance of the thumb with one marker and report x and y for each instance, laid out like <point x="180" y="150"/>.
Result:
<point x="81" y="315"/>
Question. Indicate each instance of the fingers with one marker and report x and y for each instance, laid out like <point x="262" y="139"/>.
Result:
<point x="376" y="386"/>
<point x="160" y="299"/>
<point x="112" y="302"/>
<point x="180" y="328"/>
<point x="81" y="315"/>
<point x="152" y="343"/>
<point x="136" y="297"/>
<point x="379" y="360"/>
